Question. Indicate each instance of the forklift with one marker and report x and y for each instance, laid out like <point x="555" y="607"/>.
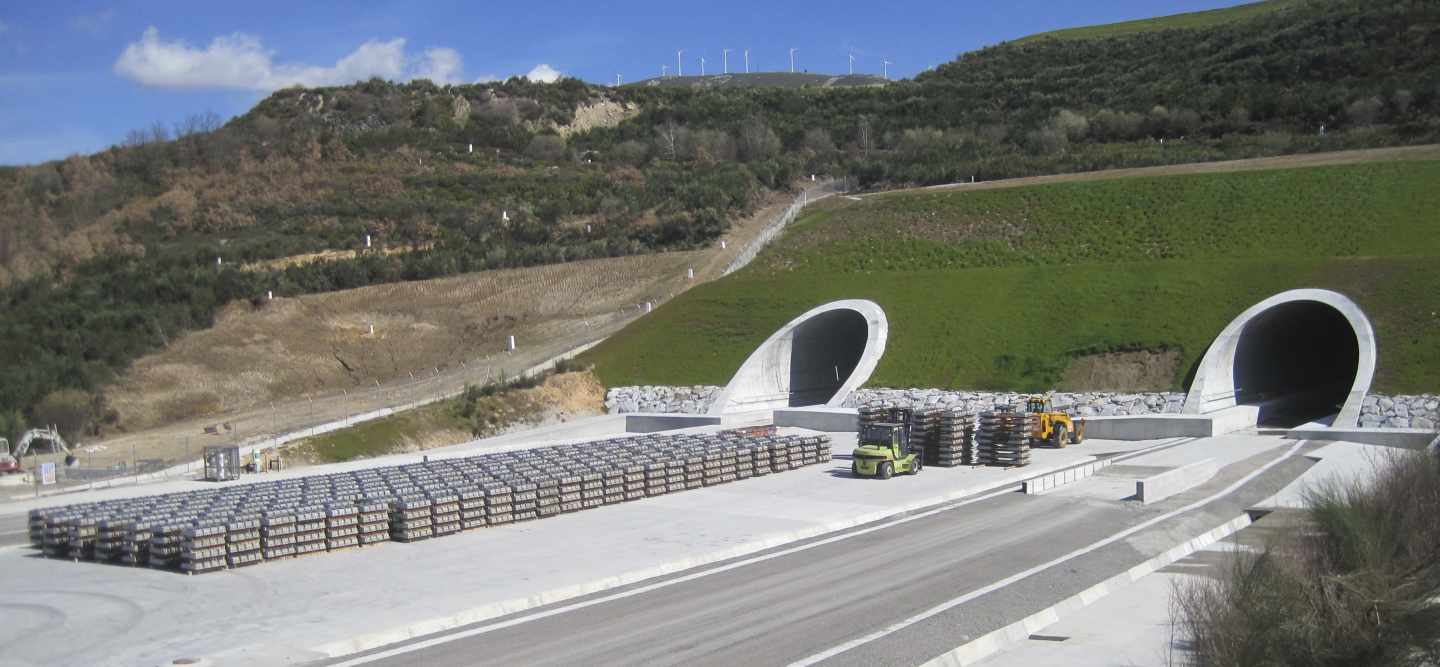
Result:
<point x="1054" y="428"/>
<point x="884" y="448"/>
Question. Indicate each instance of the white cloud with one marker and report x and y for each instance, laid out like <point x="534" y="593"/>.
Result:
<point x="241" y="61"/>
<point x="441" y="66"/>
<point x="93" y="24"/>
<point x="544" y="74"/>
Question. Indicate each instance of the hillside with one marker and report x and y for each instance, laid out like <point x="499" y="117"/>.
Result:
<point x="109" y="257"/>
<point x="1187" y="20"/>
<point x="763" y="80"/>
<point x="1007" y="288"/>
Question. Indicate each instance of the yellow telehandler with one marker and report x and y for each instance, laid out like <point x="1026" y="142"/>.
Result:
<point x="1054" y="428"/>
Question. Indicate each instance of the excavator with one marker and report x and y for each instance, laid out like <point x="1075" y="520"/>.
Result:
<point x="1054" y="428"/>
<point x="10" y="460"/>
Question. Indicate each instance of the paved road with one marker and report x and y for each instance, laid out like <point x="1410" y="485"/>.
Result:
<point x="14" y="529"/>
<point x="794" y="606"/>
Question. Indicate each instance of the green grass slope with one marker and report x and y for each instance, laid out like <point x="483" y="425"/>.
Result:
<point x="1203" y="19"/>
<point x="1002" y="289"/>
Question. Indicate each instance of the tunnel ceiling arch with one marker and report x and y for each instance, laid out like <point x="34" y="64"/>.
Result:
<point x="1300" y="355"/>
<point x="816" y="359"/>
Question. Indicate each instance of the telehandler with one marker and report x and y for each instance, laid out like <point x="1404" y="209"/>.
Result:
<point x="1054" y="428"/>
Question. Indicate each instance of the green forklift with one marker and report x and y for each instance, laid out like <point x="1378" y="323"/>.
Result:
<point x="884" y="449"/>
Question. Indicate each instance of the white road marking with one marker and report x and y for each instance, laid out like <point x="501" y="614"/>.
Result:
<point x="955" y="602"/>
<point x="429" y="643"/>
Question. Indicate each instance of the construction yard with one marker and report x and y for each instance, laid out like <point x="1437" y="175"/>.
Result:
<point x="798" y="527"/>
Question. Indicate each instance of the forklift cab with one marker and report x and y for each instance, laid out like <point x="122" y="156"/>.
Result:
<point x="891" y="436"/>
<point x="1038" y="404"/>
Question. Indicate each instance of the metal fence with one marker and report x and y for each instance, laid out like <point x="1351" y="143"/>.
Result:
<point x="772" y="230"/>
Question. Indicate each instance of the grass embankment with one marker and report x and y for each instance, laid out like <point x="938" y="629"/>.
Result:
<point x="1188" y="20"/>
<point x="1003" y="289"/>
<point x="1355" y="581"/>
<point x="481" y="411"/>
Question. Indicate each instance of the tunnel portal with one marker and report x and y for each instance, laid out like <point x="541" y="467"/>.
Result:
<point x="815" y="359"/>
<point x="1301" y="356"/>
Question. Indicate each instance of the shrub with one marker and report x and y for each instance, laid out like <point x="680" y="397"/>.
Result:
<point x="1355" y="583"/>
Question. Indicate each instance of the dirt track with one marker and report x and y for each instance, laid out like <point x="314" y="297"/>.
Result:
<point x="1427" y="152"/>
<point x="300" y="362"/>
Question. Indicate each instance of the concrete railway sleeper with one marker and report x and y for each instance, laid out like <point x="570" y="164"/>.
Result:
<point x="217" y="529"/>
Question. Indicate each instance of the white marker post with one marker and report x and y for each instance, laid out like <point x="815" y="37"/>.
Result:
<point x="722" y="244"/>
<point x="649" y="306"/>
<point x="269" y="295"/>
<point x="690" y="274"/>
<point x="510" y="344"/>
<point x="367" y="240"/>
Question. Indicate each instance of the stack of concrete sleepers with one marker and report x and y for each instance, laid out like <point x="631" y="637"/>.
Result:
<point x="238" y="525"/>
<point x="953" y="438"/>
<point x="1002" y="438"/>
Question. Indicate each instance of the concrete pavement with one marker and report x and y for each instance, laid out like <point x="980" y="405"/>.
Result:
<point x="795" y="606"/>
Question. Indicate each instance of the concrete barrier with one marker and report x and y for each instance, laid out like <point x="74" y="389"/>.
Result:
<point x="842" y="420"/>
<point x="1149" y="427"/>
<point x="649" y="422"/>
<point x="1403" y="438"/>
<point x="1159" y="487"/>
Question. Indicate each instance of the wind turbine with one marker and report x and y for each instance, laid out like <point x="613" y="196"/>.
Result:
<point x="885" y="69"/>
<point x="702" y="65"/>
<point x="617" y="79"/>
<point x="664" y="69"/>
<point x="747" y="61"/>
<point x="852" y="63"/>
<point x="725" y="60"/>
<point x="792" y="59"/>
<point x="679" y="67"/>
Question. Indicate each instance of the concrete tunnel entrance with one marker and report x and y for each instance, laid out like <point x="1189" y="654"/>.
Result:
<point x="1297" y="357"/>
<point x="826" y="350"/>
<point x="1297" y="361"/>
<point x="815" y="359"/>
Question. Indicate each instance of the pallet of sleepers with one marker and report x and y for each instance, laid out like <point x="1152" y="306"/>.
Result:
<point x="499" y="503"/>
<point x="165" y="542"/>
<point x="410" y="519"/>
<point x="342" y="525"/>
<point x="374" y="514"/>
<point x="83" y="533"/>
<point x="202" y="547"/>
<point x="1002" y="438"/>
<point x="954" y="444"/>
<point x="243" y="540"/>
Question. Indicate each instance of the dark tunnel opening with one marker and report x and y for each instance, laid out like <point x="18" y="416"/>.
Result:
<point x="823" y="353"/>
<point x="1297" y="361"/>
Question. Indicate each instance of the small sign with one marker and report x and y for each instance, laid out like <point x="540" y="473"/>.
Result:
<point x="47" y="474"/>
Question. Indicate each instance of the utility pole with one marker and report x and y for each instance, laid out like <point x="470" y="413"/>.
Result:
<point x="885" y="69"/>
<point x="747" y="61"/>
<point x="679" y="66"/>
<point x="792" y="59"/>
<point x="725" y="60"/>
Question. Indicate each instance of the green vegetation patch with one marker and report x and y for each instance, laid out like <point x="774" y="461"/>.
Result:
<point x="972" y="304"/>
<point x="1188" y="20"/>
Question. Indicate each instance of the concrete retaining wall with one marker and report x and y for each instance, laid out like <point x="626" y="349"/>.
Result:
<point x="650" y="423"/>
<point x="1159" y="487"/>
<point x="834" y="420"/>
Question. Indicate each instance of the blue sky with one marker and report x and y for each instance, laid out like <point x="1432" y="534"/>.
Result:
<point x="75" y="77"/>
